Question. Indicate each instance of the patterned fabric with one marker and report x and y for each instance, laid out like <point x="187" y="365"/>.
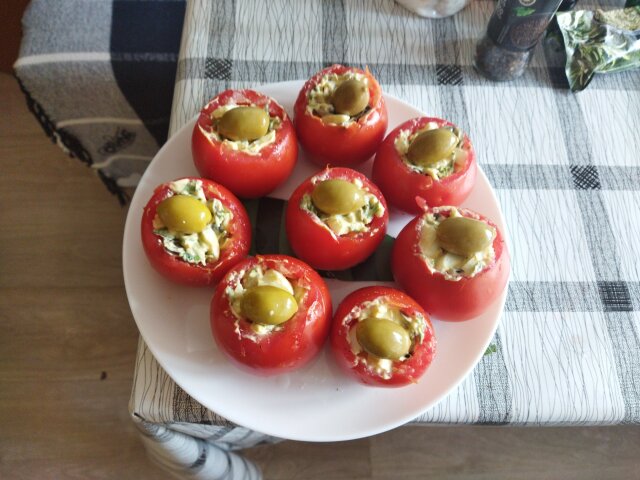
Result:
<point x="86" y="68"/>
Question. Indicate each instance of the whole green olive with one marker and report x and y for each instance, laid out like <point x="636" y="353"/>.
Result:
<point x="464" y="236"/>
<point x="244" y="123"/>
<point x="337" y="197"/>
<point x="383" y="338"/>
<point x="351" y="97"/>
<point x="268" y="305"/>
<point x="184" y="214"/>
<point x="431" y="146"/>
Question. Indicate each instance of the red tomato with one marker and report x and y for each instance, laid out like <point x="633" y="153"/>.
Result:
<point x="316" y="244"/>
<point x="235" y="248"/>
<point x="246" y="175"/>
<point x="402" y="372"/>
<point x="401" y="185"/>
<point x="335" y="144"/>
<point x="447" y="299"/>
<point x="288" y="348"/>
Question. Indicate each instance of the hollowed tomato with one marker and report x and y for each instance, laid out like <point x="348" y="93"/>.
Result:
<point x="248" y="175"/>
<point x="172" y="267"/>
<point x="290" y="346"/>
<point x="360" y="365"/>
<point x="401" y="185"/>
<point x="314" y="242"/>
<point x="338" y="145"/>
<point x="453" y="300"/>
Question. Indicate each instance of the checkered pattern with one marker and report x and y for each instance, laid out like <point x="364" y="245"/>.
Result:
<point x="565" y="168"/>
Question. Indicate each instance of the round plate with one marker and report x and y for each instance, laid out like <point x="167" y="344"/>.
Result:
<point x="318" y="402"/>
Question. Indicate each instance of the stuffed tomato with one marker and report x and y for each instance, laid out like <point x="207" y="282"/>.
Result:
<point x="340" y="116"/>
<point x="245" y="141"/>
<point x="336" y="219"/>
<point x="193" y="230"/>
<point x="271" y="314"/>
<point x="382" y="337"/>
<point x="452" y="261"/>
<point x="428" y="158"/>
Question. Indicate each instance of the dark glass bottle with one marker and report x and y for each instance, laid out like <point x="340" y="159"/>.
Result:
<point x="514" y="29"/>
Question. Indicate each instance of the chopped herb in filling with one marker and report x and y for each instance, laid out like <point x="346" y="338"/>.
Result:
<point x="415" y="325"/>
<point x="197" y="248"/>
<point x="343" y="224"/>
<point x="251" y="147"/>
<point x="320" y="98"/>
<point x="439" y="169"/>
<point x="452" y="266"/>
<point x="258" y="277"/>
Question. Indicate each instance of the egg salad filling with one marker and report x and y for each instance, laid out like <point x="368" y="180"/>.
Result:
<point x="250" y="147"/>
<point x="343" y="224"/>
<point x="453" y="267"/>
<point x="415" y="325"/>
<point x="319" y="98"/>
<point x="259" y="276"/>
<point x="197" y="248"/>
<point x="440" y="169"/>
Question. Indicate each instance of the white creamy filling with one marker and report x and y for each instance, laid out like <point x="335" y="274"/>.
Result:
<point x="379" y="308"/>
<point x="252" y="148"/>
<point x="453" y="267"/>
<point x="258" y="277"/>
<point x="202" y="247"/>
<point x="319" y="98"/>
<point x="440" y="169"/>
<point x="343" y="224"/>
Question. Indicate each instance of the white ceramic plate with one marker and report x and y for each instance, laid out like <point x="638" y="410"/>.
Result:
<point x="319" y="402"/>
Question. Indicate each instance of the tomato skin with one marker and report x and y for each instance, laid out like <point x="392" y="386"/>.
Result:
<point x="442" y="298"/>
<point x="277" y="352"/>
<point x="404" y="373"/>
<point x="247" y="176"/>
<point x="316" y="244"/>
<point x="333" y="144"/>
<point x="401" y="186"/>
<point x="175" y="269"/>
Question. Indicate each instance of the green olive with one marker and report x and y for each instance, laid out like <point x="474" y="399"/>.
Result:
<point x="337" y="197"/>
<point x="268" y="305"/>
<point x="351" y="97"/>
<point x="464" y="236"/>
<point x="184" y="214"/>
<point x="383" y="338"/>
<point x="244" y="123"/>
<point x="432" y="146"/>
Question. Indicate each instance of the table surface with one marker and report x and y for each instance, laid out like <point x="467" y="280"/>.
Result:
<point x="564" y="167"/>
